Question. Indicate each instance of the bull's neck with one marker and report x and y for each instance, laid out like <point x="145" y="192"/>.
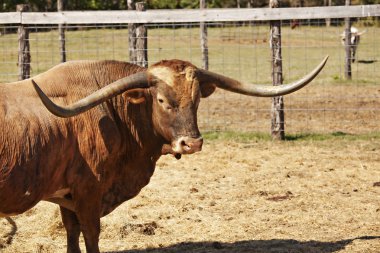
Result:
<point x="136" y="126"/>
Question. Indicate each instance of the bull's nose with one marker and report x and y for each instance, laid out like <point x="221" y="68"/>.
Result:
<point x="188" y="145"/>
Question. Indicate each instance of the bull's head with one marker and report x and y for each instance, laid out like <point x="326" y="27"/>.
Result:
<point x="355" y="36"/>
<point x="176" y="88"/>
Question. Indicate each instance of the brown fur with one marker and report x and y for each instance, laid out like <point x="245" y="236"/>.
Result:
<point x="96" y="160"/>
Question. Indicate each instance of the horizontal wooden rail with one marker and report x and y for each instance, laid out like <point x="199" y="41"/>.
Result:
<point x="10" y="18"/>
<point x="188" y="15"/>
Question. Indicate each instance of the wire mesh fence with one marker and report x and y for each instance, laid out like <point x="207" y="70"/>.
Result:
<point x="240" y="50"/>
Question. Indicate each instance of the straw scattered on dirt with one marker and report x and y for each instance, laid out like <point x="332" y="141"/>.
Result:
<point x="235" y="196"/>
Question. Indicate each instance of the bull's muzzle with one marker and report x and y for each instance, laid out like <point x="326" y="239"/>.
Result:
<point x="187" y="145"/>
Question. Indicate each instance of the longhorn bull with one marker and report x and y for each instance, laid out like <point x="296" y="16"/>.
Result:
<point x="90" y="161"/>
<point x="355" y="35"/>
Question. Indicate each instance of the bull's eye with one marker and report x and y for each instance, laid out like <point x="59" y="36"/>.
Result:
<point x="160" y="100"/>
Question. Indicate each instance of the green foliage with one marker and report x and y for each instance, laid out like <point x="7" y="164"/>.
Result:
<point x="189" y="4"/>
<point x="41" y="5"/>
<point x="369" y="2"/>
<point x="163" y="4"/>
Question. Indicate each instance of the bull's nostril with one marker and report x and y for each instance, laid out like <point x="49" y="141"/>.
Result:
<point x="185" y="145"/>
<point x="188" y="145"/>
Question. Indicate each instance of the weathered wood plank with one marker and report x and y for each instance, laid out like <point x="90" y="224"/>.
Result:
<point x="184" y="16"/>
<point x="10" y="18"/>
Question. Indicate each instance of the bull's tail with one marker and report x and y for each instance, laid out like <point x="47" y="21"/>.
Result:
<point x="9" y="236"/>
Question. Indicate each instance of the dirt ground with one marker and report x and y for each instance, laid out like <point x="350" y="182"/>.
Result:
<point x="234" y="196"/>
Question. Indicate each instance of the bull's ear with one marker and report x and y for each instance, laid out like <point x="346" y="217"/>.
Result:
<point x="207" y="89"/>
<point x="135" y="96"/>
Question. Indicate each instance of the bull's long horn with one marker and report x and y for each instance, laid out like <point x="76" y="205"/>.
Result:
<point x="258" y="90"/>
<point x="361" y="33"/>
<point x="135" y="81"/>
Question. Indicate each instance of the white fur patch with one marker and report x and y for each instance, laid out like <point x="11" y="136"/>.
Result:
<point x="164" y="74"/>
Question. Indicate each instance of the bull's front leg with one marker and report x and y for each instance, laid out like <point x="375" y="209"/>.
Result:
<point x="90" y="227"/>
<point x="87" y="207"/>
<point x="71" y="223"/>
<point x="353" y="50"/>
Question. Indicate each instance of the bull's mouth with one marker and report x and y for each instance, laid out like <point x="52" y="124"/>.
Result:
<point x="168" y="150"/>
<point x="183" y="146"/>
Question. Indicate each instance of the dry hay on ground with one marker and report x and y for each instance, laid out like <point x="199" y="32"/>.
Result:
<point x="261" y="196"/>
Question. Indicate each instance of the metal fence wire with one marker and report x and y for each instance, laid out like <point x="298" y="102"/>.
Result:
<point x="240" y="50"/>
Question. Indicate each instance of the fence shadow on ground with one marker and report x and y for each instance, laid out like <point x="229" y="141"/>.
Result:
<point x="367" y="61"/>
<point x="315" y="136"/>
<point x="254" y="246"/>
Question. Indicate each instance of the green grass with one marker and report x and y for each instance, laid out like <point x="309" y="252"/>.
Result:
<point x="237" y="136"/>
<point x="255" y="136"/>
<point x="333" y="136"/>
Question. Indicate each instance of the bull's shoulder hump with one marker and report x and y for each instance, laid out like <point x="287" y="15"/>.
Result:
<point x="92" y="63"/>
<point x="81" y="68"/>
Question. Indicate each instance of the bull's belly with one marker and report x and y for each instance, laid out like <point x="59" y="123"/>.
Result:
<point x="17" y="203"/>
<point x="20" y="189"/>
<point x="2" y="215"/>
<point x="14" y="201"/>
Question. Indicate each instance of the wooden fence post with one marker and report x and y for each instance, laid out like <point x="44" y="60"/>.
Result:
<point x="141" y="40"/>
<point x="132" y="35"/>
<point x="277" y="111"/>
<point x="23" y="46"/>
<point x="328" y="20"/>
<point x="204" y="45"/>
<point x="61" y="31"/>
<point x="347" y="45"/>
